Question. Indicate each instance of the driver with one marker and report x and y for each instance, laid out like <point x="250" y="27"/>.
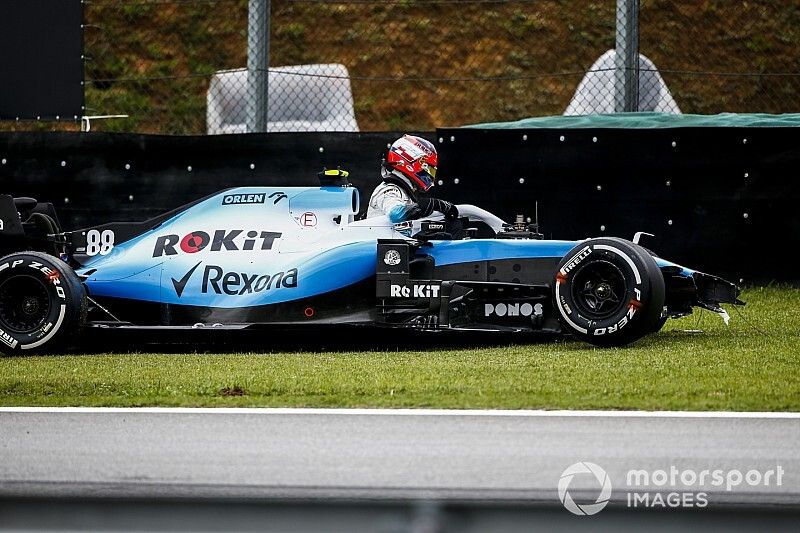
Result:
<point x="409" y="169"/>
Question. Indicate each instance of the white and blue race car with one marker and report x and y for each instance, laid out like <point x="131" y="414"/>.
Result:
<point x="258" y="257"/>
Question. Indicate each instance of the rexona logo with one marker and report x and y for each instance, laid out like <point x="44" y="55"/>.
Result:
<point x="238" y="283"/>
<point x="217" y="281"/>
<point x="237" y="199"/>
<point x="417" y="290"/>
<point x="222" y="241"/>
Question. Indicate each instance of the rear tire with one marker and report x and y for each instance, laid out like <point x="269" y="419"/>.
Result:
<point x="609" y="292"/>
<point x="42" y="304"/>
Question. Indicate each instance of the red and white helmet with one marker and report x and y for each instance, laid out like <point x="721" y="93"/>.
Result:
<point x="416" y="159"/>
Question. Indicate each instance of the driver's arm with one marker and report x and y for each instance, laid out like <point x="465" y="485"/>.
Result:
<point x="399" y="207"/>
<point x="425" y="207"/>
<point x="393" y="203"/>
<point x="428" y="205"/>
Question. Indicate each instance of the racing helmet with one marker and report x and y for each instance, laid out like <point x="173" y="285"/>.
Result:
<point x="416" y="159"/>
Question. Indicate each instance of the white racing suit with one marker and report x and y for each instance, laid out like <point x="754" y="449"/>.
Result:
<point x="392" y="199"/>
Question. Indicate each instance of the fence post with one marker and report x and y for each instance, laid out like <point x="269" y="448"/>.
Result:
<point x="626" y="75"/>
<point x="258" y="19"/>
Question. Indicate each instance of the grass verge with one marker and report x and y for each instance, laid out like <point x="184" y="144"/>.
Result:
<point x="752" y="365"/>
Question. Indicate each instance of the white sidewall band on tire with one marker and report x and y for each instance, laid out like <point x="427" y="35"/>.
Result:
<point x="62" y="291"/>
<point x="50" y="334"/>
<point x="625" y="257"/>
<point x="643" y="289"/>
<point x="591" y="250"/>
<point x="564" y="312"/>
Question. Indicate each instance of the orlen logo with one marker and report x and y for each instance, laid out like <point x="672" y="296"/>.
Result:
<point x="238" y="199"/>
<point x="223" y="240"/>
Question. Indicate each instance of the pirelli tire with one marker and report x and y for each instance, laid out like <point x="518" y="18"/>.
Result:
<point x="609" y="292"/>
<point x="42" y="304"/>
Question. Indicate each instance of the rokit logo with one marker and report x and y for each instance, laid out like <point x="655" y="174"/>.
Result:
<point x="417" y="290"/>
<point x="238" y="199"/>
<point x="216" y="280"/>
<point x="223" y="240"/>
<point x="512" y="309"/>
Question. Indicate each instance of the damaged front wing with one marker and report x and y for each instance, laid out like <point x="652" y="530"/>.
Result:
<point x="687" y="289"/>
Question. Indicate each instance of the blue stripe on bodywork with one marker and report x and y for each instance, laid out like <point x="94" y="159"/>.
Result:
<point x="144" y="285"/>
<point x="335" y="269"/>
<point x="686" y="272"/>
<point x="452" y="252"/>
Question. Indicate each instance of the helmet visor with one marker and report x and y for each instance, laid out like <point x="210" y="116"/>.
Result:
<point x="424" y="179"/>
<point x="430" y="169"/>
<point x="426" y="175"/>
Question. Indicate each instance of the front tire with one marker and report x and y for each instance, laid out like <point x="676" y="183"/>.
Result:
<point x="609" y="292"/>
<point x="42" y="304"/>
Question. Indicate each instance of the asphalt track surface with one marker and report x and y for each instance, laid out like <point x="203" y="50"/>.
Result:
<point x="485" y="456"/>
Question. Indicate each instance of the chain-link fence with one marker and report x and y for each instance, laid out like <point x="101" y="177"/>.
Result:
<point x="153" y="60"/>
<point x="180" y="66"/>
<point x="200" y="66"/>
<point x="725" y="55"/>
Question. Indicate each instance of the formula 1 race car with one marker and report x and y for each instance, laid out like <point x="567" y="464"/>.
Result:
<point x="256" y="257"/>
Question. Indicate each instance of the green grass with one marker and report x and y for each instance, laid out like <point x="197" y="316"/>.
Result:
<point x="754" y="364"/>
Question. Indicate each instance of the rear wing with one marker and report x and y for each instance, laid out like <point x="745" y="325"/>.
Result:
<point x="26" y="224"/>
<point x="10" y="222"/>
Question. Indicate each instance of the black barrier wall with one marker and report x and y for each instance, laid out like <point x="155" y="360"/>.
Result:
<point x="719" y="199"/>
<point x="98" y="177"/>
<point x="725" y="200"/>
